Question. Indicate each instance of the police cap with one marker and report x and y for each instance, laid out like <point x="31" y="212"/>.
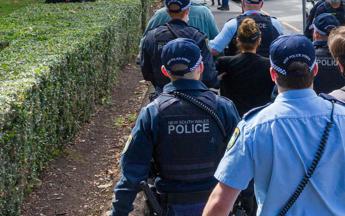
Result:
<point x="181" y="56"/>
<point x="324" y="23"/>
<point x="176" y="6"/>
<point x="291" y="48"/>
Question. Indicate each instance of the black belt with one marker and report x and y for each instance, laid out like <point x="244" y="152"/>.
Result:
<point x="185" y="198"/>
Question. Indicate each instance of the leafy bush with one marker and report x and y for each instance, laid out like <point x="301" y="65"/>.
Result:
<point x="62" y="59"/>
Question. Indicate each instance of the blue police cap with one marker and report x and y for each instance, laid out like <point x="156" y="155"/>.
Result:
<point x="324" y="23"/>
<point x="181" y="56"/>
<point x="253" y="1"/>
<point x="176" y="6"/>
<point x="291" y="48"/>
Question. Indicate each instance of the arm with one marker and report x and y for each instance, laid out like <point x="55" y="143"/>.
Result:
<point x="145" y="57"/>
<point x="219" y="43"/>
<point x="135" y="165"/>
<point x="277" y="25"/>
<point x="221" y="201"/>
<point x="209" y="76"/>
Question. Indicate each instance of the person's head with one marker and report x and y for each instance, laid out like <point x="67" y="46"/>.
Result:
<point x="334" y="3"/>
<point x="181" y="59"/>
<point x="252" y="4"/>
<point x="293" y="62"/>
<point x="336" y="44"/>
<point x="178" y="9"/>
<point x="323" y="25"/>
<point x="248" y="36"/>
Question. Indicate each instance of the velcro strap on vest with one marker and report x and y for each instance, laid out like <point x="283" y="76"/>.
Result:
<point x="185" y="198"/>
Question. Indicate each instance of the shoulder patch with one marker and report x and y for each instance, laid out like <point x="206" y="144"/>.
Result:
<point x="254" y="111"/>
<point x="234" y="138"/>
<point x="129" y="140"/>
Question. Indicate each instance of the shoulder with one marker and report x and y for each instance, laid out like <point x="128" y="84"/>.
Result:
<point x="231" y="24"/>
<point x="253" y="112"/>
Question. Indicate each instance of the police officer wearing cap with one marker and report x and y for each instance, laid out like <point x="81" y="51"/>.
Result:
<point x="329" y="77"/>
<point x="294" y="148"/>
<point x="336" y="43"/>
<point x="334" y="7"/>
<point x="270" y="28"/>
<point x="185" y="140"/>
<point x="176" y="28"/>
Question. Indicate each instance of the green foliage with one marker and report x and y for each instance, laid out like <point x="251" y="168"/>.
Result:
<point x="62" y="59"/>
<point x="8" y="6"/>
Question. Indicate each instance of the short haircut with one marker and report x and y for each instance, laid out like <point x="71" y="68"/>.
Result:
<point x="336" y="44"/>
<point x="299" y="76"/>
<point x="177" y="15"/>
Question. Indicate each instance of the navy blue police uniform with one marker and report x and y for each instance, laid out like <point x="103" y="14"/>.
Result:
<point x="268" y="31"/>
<point x="329" y="77"/>
<point x="184" y="141"/>
<point x="158" y="37"/>
<point x="310" y="19"/>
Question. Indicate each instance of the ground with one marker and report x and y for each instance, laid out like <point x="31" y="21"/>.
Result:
<point x="80" y="182"/>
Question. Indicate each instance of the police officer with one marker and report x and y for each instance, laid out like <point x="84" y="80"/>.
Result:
<point x="185" y="141"/>
<point x="277" y="144"/>
<point x="270" y="28"/>
<point x="176" y="28"/>
<point x="328" y="78"/>
<point x="336" y="42"/>
<point x="310" y="19"/>
<point x="335" y="7"/>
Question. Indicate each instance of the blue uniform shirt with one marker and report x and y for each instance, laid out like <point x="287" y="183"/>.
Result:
<point x="277" y="145"/>
<point x="137" y="155"/>
<point x="230" y="28"/>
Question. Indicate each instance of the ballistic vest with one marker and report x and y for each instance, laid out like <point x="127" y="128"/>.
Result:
<point x="339" y="13"/>
<point x="328" y="77"/>
<point x="190" y="144"/>
<point x="268" y="34"/>
<point x="162" y="36"/>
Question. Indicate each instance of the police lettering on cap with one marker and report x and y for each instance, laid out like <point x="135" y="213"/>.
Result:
<point x="176" y="6"/>
<point x="291" y="48"/>
<point x="181" y="56"/>
<point x="253" y="1"/>
<point x="324" y="23"/>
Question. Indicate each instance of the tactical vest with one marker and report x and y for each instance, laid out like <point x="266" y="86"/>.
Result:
<point x="268" y="34"/>
<point x="328" y="77"/>
<point x="339" y="13"/>
<point x="189" y="143"/>
<point x="162" y="36"/>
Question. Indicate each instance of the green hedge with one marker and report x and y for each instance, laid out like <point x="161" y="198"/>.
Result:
<point x="62" y="59"/>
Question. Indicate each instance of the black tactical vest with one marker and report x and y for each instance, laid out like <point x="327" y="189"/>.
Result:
<point x="328" y="77"/>
<point x="162" y="36"/>
<point x="190" y="144"/>
<point x="268" y="34"/>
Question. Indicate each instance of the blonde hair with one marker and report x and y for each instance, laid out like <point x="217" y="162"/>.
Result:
<point x="248" y="35"/>
<point x="336" y="44"/>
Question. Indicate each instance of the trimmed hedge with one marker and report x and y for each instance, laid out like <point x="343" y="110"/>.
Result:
<point x="62" y="59"/>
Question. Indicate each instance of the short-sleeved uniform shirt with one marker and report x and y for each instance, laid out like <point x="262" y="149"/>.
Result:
<point x="277" y="145"/>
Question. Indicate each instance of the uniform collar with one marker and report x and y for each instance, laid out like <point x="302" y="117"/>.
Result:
<point x="184" y="84"/>
<point x="296" y="94"/>
<point x="320" y="43"/>
<point x="177" y="22"/>
<point x="250" y="12"/>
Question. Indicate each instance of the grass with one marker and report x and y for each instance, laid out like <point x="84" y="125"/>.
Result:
<point x="8" y="6"/>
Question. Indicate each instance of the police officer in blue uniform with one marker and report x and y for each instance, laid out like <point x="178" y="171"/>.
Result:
<point x="176" y="28"/>
<point x="294" y="148"/>
<point x="270" y="28"/>
<point x="334" y="7"/>
<point x="329" y="77"/>
<point x="185" y="131"/>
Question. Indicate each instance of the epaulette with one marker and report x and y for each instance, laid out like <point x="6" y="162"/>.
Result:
<point x="254" y="111"/>
<point x="331" y="98"/>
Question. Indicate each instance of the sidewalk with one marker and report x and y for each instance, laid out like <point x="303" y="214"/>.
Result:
<point x="223" y="16"/>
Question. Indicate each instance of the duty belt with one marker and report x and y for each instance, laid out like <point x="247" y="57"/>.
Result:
<point x="184" y="198"/>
